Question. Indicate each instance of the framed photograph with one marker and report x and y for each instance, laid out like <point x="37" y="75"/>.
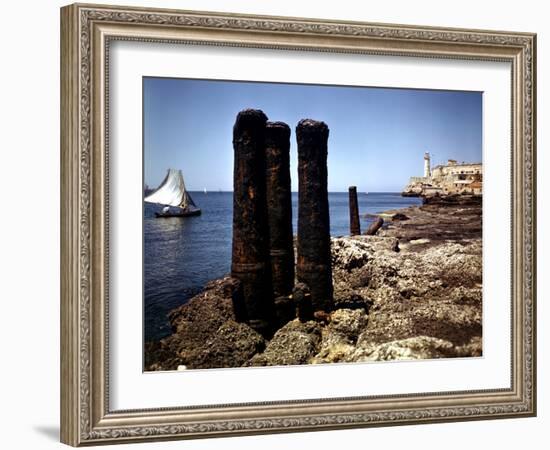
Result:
<point x="276" y="224"/>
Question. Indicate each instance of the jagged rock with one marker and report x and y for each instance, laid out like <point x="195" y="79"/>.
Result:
<point x="349" y="253"/>
<point x="333" y="349"/>
<point x="195" y="322"/>
<point x="207" y="310"/>
<point x="231" y="346"/>
<point x="408" y="288"/>
<point x="433" y="317"/>
<point x="159" y="356"/>
<point x="295" y="343"/>
<point x="399" y="216"/>
<point x="471" y="349"/>
<point x="435" y="291"/>
<point x="348" y="323"/>
<point x="453" y="199"/>
<point x="339" y="337"/>
<point x="412" y="291"/>
<point x="350" y="298"/>
<point x="466" y="296"/>
<point x="421" y="347"/>
<point x="435" y="222"/>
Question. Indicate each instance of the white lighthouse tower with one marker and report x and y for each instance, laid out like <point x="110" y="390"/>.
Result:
<point x="427" y="171"/>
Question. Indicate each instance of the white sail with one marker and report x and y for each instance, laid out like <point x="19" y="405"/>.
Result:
<point x="171" y="191"/>
<point x="186" y="202"/>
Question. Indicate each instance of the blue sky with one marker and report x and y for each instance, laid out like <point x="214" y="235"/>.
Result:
<point x="377" y="138"/>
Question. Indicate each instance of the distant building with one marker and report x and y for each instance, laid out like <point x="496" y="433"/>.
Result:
<point x="448" y="179"/>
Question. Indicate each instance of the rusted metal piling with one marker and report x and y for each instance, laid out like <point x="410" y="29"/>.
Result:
<point x="250" y="253"/>
<point x="314" y="258"/>
<point x="301" y="297"/>
<point x="279" y="207"/>
<point x="354" y="225"/>
<point x="374" y="226"/>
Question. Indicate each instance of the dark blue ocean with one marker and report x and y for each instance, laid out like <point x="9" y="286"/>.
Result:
<point x="182" y="254"/>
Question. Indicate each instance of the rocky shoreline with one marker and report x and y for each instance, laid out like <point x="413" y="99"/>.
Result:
<point x="412" y="291"/>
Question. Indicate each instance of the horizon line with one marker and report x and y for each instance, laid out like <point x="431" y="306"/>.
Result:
<point x="295" y="192"/>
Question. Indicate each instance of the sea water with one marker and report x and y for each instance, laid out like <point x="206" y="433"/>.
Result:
<point x="181" y="255"/>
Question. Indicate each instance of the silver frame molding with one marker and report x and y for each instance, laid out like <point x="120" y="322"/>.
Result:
<point x="86" y="31"/>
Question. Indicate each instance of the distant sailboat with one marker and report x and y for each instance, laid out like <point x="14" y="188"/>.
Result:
<point x="174" y="197"/>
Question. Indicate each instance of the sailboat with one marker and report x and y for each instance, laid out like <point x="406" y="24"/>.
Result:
<point x="174" y="197"/>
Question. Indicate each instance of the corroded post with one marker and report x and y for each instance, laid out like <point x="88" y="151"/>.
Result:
<point x="354" y="225"/>
<point x="301" y="297"/>
<point x="314" y="259"/>
<point x="279" y="207"/>
<point x="374" y="226"/>
<point x="250" y="255"/>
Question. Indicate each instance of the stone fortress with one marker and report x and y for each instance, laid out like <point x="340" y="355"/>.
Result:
<point x="453" y="178"/>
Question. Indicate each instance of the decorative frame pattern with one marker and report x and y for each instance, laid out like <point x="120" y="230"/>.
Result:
<point x="86" y="31"/>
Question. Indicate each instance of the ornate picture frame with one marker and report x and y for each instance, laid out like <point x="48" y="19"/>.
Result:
<point x="87" y="32"/>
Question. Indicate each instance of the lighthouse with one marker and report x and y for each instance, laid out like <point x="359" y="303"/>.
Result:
<point x="427" y="172"/>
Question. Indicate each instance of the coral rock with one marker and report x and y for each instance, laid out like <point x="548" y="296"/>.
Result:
<point x="295" y="343"/>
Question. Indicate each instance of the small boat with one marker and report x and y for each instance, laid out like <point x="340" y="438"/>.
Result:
<point x="196" y="212"/>
<point x="173" y="197"/>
